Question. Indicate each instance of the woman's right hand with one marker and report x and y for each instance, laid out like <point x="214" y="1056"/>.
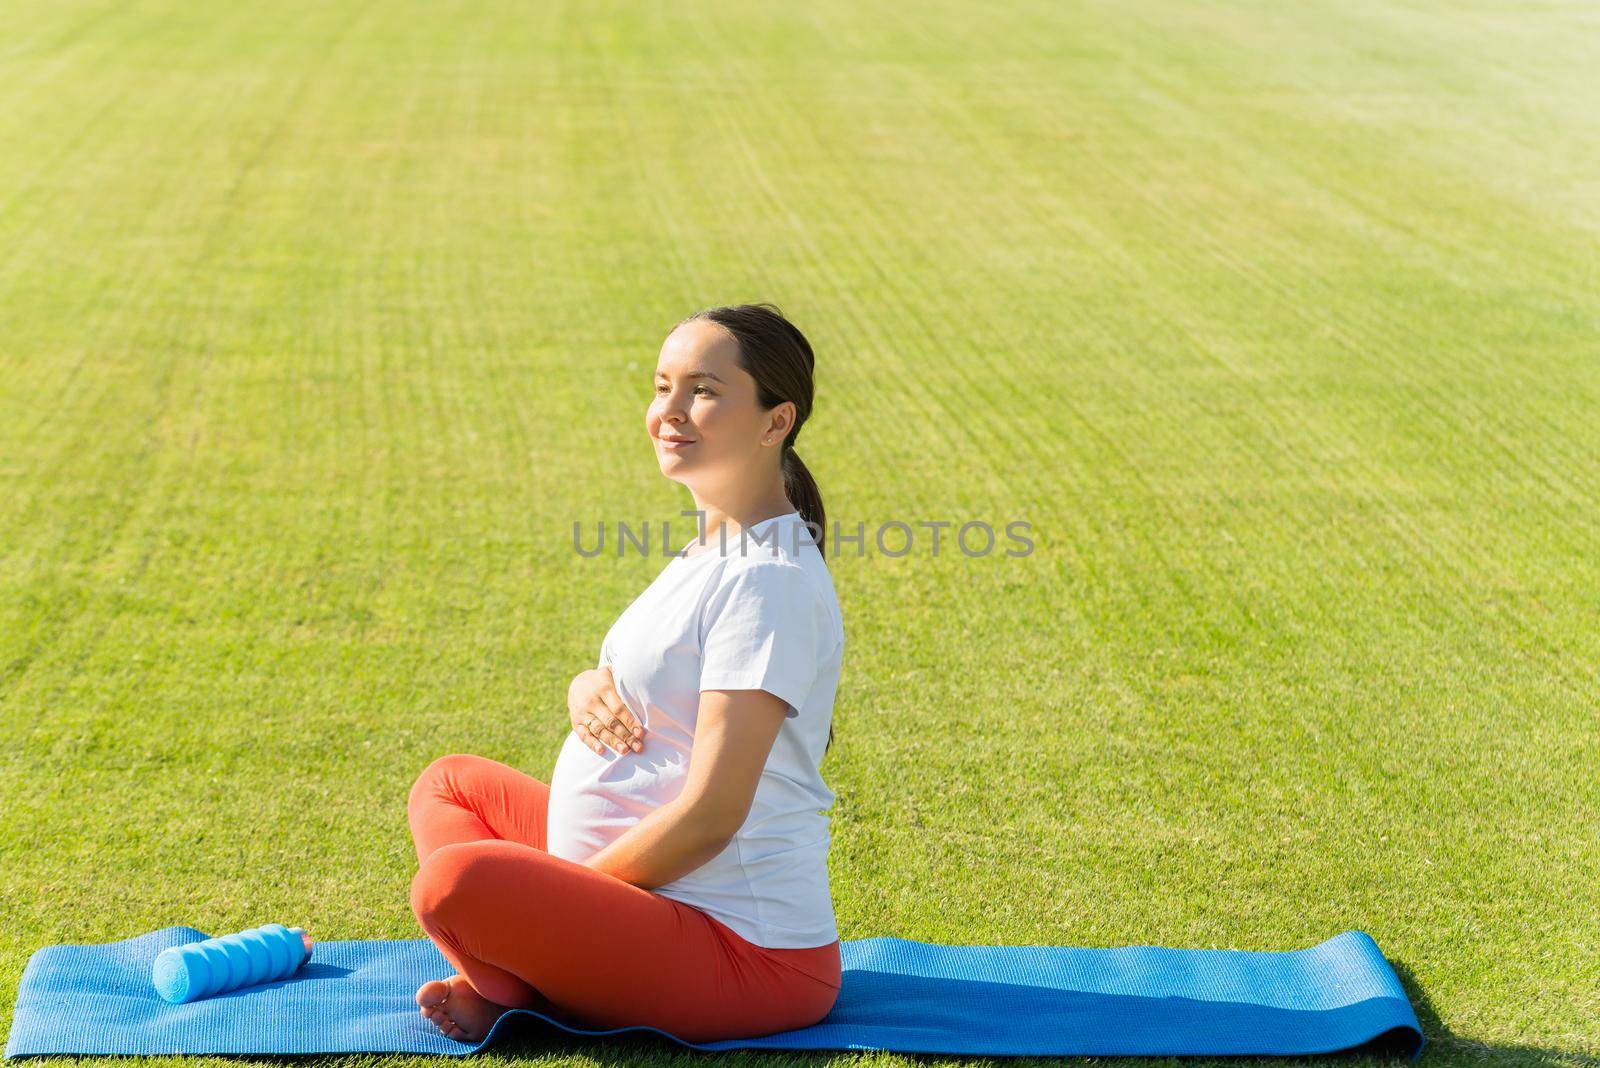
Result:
<point x="592" y="698"/>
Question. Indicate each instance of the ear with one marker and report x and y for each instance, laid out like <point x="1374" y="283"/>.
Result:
<point x="782" y="420"/>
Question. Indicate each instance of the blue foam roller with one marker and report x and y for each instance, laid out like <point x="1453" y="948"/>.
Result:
<point x="215" y="963"/>
<point x="260" y="957"/>
<point x="229" y="962"/>
<point x="238" y="961"/>
<point x="284" y="948"/>
<point x="277" y="954"/>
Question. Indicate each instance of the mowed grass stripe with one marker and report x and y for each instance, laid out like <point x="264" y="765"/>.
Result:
<point x="109" y="451"/>
<point x="1061" y="395"/>
<point x="1513" y="457"/>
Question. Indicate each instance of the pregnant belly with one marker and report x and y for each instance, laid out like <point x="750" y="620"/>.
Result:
<point x="595" y="797"/>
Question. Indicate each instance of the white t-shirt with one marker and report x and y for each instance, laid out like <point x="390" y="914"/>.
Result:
<point x="757" y="614"/>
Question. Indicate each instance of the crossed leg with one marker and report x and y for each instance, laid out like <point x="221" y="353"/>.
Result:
<point x="527" y="929"/>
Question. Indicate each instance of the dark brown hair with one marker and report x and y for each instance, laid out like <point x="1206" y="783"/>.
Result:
<point x="774" y="352"/>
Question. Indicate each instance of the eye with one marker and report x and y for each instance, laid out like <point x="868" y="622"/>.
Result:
<point x="707" y="389"/>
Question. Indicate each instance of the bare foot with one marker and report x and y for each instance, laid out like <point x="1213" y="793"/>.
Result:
<point x="457" y="1009"/>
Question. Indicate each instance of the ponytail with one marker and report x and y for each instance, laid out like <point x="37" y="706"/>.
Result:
<point x="801" y="489"/>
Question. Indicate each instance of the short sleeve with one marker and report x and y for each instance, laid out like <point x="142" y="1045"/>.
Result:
<point x="764" y="628"/>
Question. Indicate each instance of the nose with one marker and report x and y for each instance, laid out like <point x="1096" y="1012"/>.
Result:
<point x="671" y="408"/>
<point x="671" y="412"/>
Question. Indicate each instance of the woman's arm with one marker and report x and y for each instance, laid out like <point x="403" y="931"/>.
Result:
<point x="733" y="736"/>
<point x="671" y="841"/>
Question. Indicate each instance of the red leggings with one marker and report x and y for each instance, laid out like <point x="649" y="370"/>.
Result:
<point x="532" y="930"/>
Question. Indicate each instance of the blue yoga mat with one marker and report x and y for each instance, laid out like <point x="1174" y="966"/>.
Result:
<point x="898" y="994"/>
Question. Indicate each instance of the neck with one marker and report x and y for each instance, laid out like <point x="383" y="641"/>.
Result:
<point x="727" y="513"/>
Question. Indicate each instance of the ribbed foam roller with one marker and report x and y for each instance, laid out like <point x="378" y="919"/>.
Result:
<point x="228" y="962"/>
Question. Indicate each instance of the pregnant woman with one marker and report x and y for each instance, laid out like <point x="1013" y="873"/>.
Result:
<point x="673" y="873"/>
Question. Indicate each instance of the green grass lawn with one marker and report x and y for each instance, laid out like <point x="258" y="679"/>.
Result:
<point x="320" y="326"/>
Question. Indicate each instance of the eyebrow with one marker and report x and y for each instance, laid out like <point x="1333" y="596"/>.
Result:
<point x="694" y="374"/>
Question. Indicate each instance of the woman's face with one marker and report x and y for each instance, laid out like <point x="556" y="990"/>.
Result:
<point x="705" y="399"/>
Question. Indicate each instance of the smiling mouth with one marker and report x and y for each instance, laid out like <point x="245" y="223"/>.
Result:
<point x="678" y="441"/>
